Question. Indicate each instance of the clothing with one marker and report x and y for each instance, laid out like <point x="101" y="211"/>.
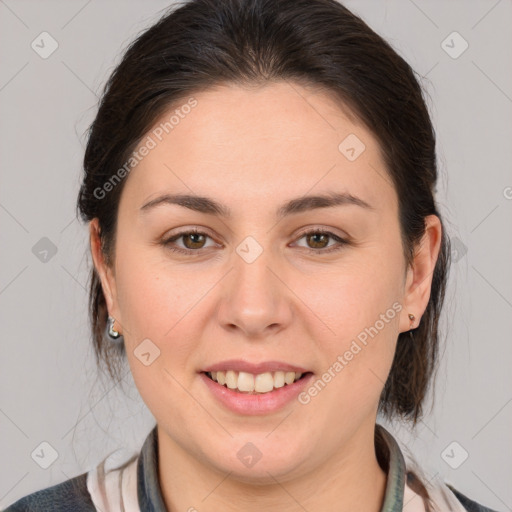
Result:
<point x="134" y="486"/>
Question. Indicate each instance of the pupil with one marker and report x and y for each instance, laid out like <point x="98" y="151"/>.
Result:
<point x="193" y="237"/>
<point x="318" y="235"/>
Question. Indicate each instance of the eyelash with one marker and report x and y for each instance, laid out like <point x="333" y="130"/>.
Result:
<point x="167" y="243"/>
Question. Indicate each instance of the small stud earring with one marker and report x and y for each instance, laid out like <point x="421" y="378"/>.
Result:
<point x="411" y="318"/>
<point x="112" y="333"/>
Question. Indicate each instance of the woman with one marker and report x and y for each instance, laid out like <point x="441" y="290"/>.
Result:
<point x="269" y="257"/>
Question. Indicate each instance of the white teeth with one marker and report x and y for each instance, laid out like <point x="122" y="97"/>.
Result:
<point x="231" y="379"/>
<point x="278" y="379"/>
<point x="264" y="382"/>
<point x="245" y="381"/>
<point x="289" y="377"/>
<point x="249" y="383"/>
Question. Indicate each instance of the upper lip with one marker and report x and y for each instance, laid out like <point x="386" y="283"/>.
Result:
<point x="239" y="365"/>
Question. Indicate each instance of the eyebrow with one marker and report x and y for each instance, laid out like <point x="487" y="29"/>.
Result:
<point x="209" y="206"/>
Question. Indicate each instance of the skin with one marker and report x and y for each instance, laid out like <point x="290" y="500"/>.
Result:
<point x="252" y="150"/>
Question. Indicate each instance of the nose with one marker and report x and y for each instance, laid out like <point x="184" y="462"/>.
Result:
<point x="255" y="299"/>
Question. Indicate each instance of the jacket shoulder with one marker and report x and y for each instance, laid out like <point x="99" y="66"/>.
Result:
<point x="71" y="494"/>
<point x="467" y="503"/>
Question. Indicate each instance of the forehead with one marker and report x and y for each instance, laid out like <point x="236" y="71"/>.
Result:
<point x="245" y="146"/>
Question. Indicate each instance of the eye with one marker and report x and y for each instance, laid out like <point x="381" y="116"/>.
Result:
<point x="319" y="239"/>
<point x="193" y="241"/>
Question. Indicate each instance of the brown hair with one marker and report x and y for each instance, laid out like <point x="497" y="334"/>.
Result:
<point x="203" y="43"/>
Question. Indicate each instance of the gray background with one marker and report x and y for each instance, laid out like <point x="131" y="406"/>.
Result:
<point x="50" y="390"/>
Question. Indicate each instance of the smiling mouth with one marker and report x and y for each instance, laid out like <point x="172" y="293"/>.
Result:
<point x="248" y="383"/>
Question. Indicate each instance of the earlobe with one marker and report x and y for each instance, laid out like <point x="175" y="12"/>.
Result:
<point x="420" y="274"/>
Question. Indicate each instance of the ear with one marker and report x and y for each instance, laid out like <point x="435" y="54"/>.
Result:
<point x="105" y="273"/>
<point x="420" y="274"/>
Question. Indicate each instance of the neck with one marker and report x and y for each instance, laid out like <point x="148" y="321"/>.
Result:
<point x="351" y="479"/>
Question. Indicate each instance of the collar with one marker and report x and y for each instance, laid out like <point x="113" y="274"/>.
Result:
<point x="390" y="456"/>
<point x="388" y="452"/>
<point x="149" y="493"/>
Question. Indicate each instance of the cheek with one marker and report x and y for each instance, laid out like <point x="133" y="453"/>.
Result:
<point x="353" y="296"/>
<point x="152" y="296"/>
<point x="154" y="303"/>
<point x="361" y="305"/>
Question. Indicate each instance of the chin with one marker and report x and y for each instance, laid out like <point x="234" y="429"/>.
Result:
<point x="259" y="463"/>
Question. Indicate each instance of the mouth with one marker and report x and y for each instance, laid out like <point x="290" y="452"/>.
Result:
<point x="255" y="384"/>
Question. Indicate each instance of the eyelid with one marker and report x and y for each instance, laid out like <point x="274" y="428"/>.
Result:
<point x="167" y="239"/>
<point x="340" y="241"/>
<point x="321" y="229"/>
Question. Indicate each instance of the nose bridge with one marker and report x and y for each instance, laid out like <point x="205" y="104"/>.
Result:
<point x="252" y="278"/>
<point x="254" y="299"/>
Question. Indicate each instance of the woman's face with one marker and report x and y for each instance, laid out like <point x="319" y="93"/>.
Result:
<point x="253" y="287"/>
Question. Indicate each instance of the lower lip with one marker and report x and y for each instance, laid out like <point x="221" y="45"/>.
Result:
<point x="264" y="403"/>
